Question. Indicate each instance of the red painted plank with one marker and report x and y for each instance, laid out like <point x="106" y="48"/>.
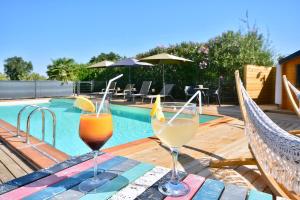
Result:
<point x="52" y="179"/>
<point x="194" y="182"/>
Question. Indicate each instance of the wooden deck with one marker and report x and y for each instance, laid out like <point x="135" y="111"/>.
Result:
<point x="224" y="139"/>
<point x="11" y="166"/>
<point x="219" y="140"/>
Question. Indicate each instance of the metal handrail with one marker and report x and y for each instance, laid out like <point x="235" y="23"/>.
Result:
<point x="42" y="109"/>
<point x="19" y="117"/>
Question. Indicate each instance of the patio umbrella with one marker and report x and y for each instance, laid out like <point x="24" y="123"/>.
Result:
<point x="102" y="64"/>
<point x="164" y="58"/>
<point x="130" y="62"/>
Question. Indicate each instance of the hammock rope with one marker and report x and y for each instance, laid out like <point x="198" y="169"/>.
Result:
<point x="277" y="151"/>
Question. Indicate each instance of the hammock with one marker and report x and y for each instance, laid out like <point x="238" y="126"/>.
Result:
<point x="290" y="87"/>
<point x="276" y="151"/>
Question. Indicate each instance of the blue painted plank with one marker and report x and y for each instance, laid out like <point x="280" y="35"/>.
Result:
<point x="108" y="189"/>
<point x="75" y="180"/>
<point x="233" y="192"/>
<point x="210" y="190"/>
<point x="29" y="178"/>
<point x="153" y="193"/>
<point x="256" y="195"/>
<point x="75" y="193"/>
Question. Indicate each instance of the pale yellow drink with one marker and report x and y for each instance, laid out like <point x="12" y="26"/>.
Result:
<point x="180" y="132"/>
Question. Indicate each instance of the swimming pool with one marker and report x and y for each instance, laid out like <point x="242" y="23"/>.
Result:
<point x="130" y="124"/>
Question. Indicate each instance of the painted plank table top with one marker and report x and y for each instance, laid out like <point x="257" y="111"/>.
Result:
<point x="125" y="179"/>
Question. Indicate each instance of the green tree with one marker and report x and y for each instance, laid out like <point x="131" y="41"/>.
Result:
<point x="62" y="69"/>
<point x="81" y="72"/>
<point x="232" y="50"/>
<point x="2" y="76"/>
<point x="34" y="76"/>
<point x="111" y="56"/>
<point x="16" y="68"/>
<point x="220" y="56"/>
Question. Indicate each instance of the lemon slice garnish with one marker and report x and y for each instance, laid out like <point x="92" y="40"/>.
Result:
<point x="84" y="104"/>
<point x="157" y="110"/>
<point x="160" y="115"/>
<point x="155" y="106"/>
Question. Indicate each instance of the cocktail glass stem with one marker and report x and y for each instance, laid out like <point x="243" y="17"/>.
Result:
<point x="174" y="187"/>
<point x="95" y="164"/>
<point x="174" y="177"/>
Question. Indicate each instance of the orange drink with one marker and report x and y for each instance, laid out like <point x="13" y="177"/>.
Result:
<point x="95" y="131"/>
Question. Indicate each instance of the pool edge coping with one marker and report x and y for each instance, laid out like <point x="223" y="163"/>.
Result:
<point x="38" y="154"/>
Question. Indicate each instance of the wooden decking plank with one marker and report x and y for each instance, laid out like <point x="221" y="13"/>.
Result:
<point x="11" y="166"/>
<point x="18" y="161"/>
<point x="110" y="188"/>
<point x="52" y="179"/>
<point x="153" y="193"/>
<point x="260" y="184"/>
<point x="233" y="192"/>
<point x="75" y="193"/>
<point x="206" y="172"/>
<point x="76" y="179"/>
<point x="29" y="178"/>
<point x="256" y="195"/>
<point x="210" y="190"/>
<point x="137" y="187"/>
<point x="5" y="174"/>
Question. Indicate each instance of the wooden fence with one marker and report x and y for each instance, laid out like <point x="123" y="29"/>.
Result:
<point x="259" y="81"/>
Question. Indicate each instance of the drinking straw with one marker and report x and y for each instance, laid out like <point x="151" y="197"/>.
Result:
<point x="106" y="91"/>
<point x="183" y="107"/>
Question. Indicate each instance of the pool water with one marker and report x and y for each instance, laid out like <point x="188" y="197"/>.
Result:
<point x="130" y="124"/>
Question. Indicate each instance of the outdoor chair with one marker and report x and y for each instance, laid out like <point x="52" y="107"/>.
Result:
<point x="127" y="91"/>
<point x="289" y="87"/>
<point x="143" y="91"/>
<point x="189" y="91"/>
<point x="111" y="91"/>
<point x="275" y="151"/>
<point x="214" y="94"/>
<point x="165" y="92"/>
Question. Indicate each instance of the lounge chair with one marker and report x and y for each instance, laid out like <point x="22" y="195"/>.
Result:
<point x="127" y="91"/>
<point x="143" y="91"/>
<point x="111" y="90"/>
<point x="290" y="87"/>
<point x="165" y="92"/>
<point x="275" y="151"/>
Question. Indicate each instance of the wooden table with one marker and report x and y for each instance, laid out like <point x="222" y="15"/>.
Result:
<point x="127" y="179"/>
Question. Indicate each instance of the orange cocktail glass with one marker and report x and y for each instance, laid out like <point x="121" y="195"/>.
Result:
<point x="95" y="131"/>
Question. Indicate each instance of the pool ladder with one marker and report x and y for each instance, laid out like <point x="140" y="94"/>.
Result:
<point x="37" y="109"/>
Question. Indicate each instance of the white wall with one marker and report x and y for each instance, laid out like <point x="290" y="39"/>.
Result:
<point x="278" y="85"/>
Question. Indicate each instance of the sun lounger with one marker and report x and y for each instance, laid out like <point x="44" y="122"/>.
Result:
<point x="165" y="92"/>
<point x="275" y="151"/>
<point x="111" y="91"/>
<point x="143" y="91"/>
<point x="127" y="91"/>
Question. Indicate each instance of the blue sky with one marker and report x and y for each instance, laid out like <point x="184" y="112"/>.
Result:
<point x="43" y="30"/>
